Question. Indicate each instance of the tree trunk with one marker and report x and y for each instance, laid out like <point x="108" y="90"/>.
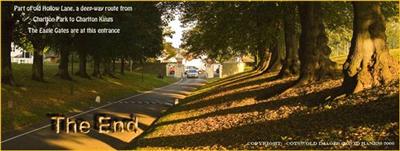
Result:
<point x="122" y="70"/>
<point x="130" y="65"/>
<point x="255" y="64"/>
<point x="290" y="65"/>
<point x="63" y="66"/>
<point x="82" y="72"/>
<point x="96" y="67"/>
<point x="369" y="62"/>
<point x="107" y="70"/>
<point x="275" y="58"/>
<point x="314" y="51"/>
<point x="260" y="55"/>
<point x="37" y="66"/>
<point x="263" y="56"/>
<point x="7" y="28"/>
<point x="113" y="66"/>
<point x="276" y="49"/>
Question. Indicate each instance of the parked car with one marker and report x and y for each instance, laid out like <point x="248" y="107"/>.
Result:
<point x="192" y="74"/>
<point x="187" y="68"/>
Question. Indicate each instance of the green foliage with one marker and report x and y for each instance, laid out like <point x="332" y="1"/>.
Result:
<point x="140" y="36"/>
<point x="225" y="29"/>
<point x="390" y="8"/>
<point x="392" y="32"/>
<point x="339" y="25"/>
<point x="339" y="40"/>
<point x="337" y="15"/>
<point x="22" y="21"/>
<point x="169" y="50"/>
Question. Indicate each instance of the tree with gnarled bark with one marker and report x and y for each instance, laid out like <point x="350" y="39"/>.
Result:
<point x="369" y="62"/>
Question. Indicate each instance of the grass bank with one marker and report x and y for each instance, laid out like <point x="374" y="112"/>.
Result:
<point x="246" y="110"/>
<point x="28" y="103"/>
<point x="341" y="59"/>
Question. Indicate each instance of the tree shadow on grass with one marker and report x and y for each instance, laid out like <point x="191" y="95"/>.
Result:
<point x="309" y="100"/>
<point x="300" y="126"/>
<point x="252" y="82"/>
<point x="276" y="89"/>
<point x="234" y="78"/>
<point x="235" y="85"/>
<point x="227" y="81"/>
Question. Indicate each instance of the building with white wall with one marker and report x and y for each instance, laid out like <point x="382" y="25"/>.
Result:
<point x="20" y="56"/>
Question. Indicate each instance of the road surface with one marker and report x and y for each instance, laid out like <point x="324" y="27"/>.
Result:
<point x="148" y="106"/>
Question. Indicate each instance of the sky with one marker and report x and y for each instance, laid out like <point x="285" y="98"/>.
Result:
<point x="176" y="41"/>
<point x="176" y="37"/>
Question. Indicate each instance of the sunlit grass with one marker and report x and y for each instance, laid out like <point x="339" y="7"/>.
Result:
<point x="341" y="59"/>
<point x="32" y="100"/>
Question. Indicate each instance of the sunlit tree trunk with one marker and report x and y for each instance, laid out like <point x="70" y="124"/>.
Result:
<point x="290" y="65"/>
<point x="263" y="56"/>
<point x="314" y="51"/>
<point x="37" y="66"/>
<point x="130" y="65"/>
<point x="6" y="37"/>
<point x="369" y="62"/>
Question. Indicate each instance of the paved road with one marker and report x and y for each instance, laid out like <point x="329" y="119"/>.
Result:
<point x="147" y="106"/>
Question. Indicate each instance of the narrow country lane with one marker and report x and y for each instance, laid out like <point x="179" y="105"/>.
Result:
<point x="147" y="106"/>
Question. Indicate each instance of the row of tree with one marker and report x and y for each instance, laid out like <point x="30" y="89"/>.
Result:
<point x="140" y="37"/>
<point x="291" y="37"/>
